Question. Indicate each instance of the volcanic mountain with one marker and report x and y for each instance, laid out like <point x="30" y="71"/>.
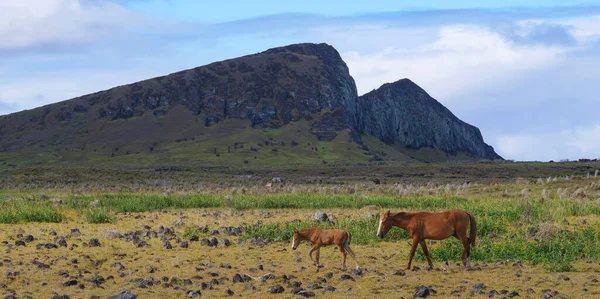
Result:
<point x="292" y="104"/>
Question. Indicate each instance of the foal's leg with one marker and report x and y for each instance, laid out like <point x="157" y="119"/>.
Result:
<point x="315" y="247"/>
<point x="424" y="246"/>
<point x="412" y="252"/>
<point x="318" y="254"/>
<point x="343" y="251"/>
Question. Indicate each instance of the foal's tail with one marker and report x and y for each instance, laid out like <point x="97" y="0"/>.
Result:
<point x="347" y="243"/>
<point x="473" y="230"/>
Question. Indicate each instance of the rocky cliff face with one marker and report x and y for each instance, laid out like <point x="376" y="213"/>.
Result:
<point x="403" y="113"/>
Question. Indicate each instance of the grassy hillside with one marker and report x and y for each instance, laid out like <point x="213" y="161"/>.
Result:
<point x="232" y="141"/>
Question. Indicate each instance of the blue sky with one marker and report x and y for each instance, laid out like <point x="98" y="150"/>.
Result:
<point x="524" y="72"/>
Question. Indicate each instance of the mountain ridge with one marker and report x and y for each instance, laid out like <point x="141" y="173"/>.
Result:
<point x="270" y="90"/>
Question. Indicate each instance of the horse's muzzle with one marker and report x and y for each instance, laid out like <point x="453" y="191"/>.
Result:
<point x="380" y="236"/>
<point x="294" y="247"/>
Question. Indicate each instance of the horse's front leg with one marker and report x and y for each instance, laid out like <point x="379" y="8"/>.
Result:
<point x="412" y="252"/>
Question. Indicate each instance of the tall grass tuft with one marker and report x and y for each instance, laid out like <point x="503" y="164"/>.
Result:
<point x="18" y="212"/>
<point x="98" y="216"/>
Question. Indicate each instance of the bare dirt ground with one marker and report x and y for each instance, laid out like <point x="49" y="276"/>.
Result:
<point x="41" y="266"/>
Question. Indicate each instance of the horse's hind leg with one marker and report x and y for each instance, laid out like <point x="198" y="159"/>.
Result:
<point x="343" y="251"/>
<point x="466" y="255"/>
<point x="424" y="246"/>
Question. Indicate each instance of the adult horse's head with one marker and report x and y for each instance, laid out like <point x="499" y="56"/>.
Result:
<point x="384" y="224"/>
<point x="295" y="240"/>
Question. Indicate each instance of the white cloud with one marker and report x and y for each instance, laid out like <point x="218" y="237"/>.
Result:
<point x="33" y="23"/>
<point x="580" y="142"/>
<point x="463" y="60"/>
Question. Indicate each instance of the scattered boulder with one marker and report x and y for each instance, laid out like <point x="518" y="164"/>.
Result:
<point x="192" y="294"/>
<point x="75" y="232"/>
<point x="61" y="297"/>
<point x="212" y="242"/>
<point x="277" y="180"/>
<point x="28" y="238"/>
<point x="492" y="293"/>
<point x="400" y="273"/>
<point x="166" y="244"/>
<point x="229" y="292"/>
<point x="178" y="222"/>
<point x="321" y="217"/>
<point x="112" y="234"/>
<point x="225" y="242"/>
<point x="306" y="293"/>
<point x="277" y="289"/>
<point x="249" y="287"/>
<point x="40" y="265"/>
<point x="118" y="265"/>
<point x="70" y="283"/>
<point x="94" y="243"/>
<point x="423" y="291"/>
<point x="123" y="295"/>
<point x="329" y="288"/>
<point x="61" y="241"/>
<point x="347" y="277"/>
<point x="184" y="244"/>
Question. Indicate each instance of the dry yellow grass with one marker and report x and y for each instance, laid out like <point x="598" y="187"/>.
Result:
<point x="380" y="259"/>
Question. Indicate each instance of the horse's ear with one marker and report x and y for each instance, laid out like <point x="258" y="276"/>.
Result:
<point x="387" y="212"/>
<point x="295" y="231"/>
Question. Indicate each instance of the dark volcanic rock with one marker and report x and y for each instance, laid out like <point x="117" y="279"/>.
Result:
<point x="423" y="291"/>
<point x="276" y="289"/>
<point x="192" y="294"/>
<point x="123" y="295"/>
<point x="403" y="113"/>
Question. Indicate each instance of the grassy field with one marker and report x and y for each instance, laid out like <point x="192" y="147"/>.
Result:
<point x="535" y="233"/>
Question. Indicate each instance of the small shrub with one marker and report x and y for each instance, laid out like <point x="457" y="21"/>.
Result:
<point x="190" y="231"/>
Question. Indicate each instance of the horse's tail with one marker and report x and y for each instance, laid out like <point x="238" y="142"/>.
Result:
<point x="348" y="238"/>
<point x="473" y="229"/>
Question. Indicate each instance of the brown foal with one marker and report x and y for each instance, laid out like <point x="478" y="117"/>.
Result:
<point x="321" y="237"/>
<point x="435" y="226"/>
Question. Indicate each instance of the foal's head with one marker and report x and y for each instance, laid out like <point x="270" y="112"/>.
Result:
<point x="295" y="240"/>
<point x="384" y="224"/>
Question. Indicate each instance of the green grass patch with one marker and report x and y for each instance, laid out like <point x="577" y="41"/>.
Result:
<point x="19" y="212"/>
<point x="98" y="215"/>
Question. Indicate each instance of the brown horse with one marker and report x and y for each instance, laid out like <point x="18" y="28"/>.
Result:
<point x="320" y="237"/>
<point x="435" y="226"/>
